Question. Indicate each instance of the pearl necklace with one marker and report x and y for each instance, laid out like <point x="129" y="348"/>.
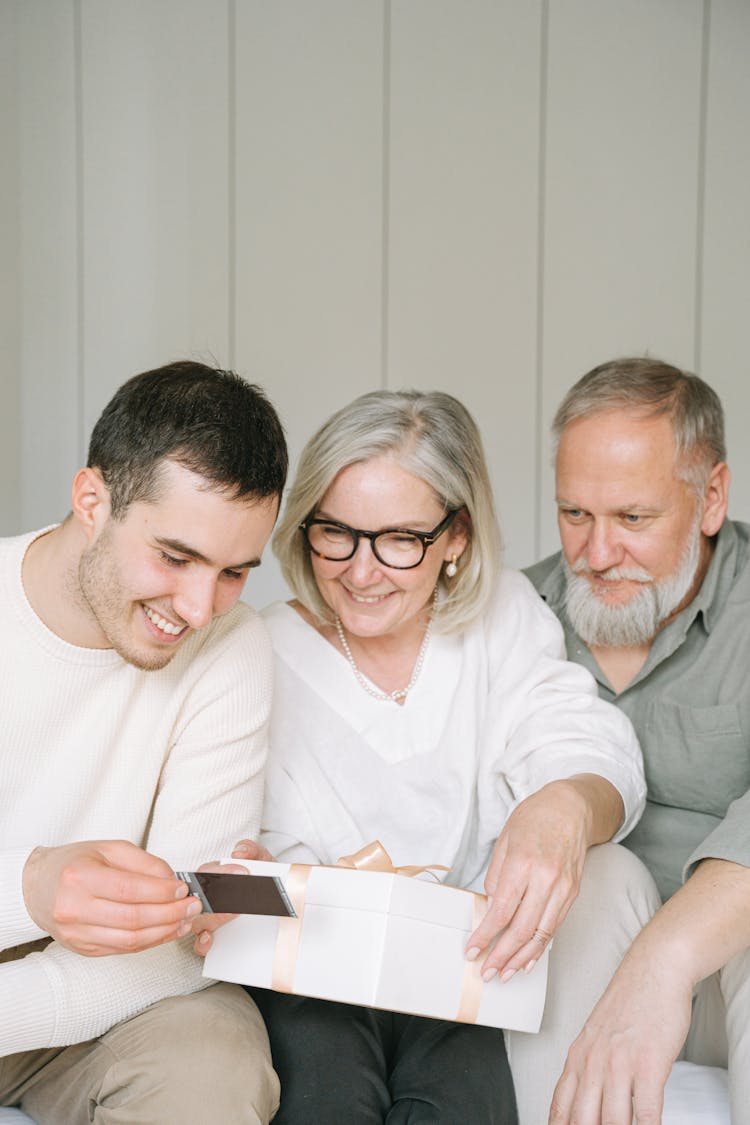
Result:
<point x="376" y="693"/>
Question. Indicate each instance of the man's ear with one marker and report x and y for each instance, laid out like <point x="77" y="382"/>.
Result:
<point x="89" y="500"/>
<point x="716" y="499"/>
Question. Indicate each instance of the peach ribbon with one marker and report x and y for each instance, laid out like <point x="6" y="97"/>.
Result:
<point x="372" y="857"/>
<point x="471" y="988"/>
<point x="290" y="930"/>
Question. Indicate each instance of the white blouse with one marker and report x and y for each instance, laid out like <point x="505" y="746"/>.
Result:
<point x="497" y="712"/>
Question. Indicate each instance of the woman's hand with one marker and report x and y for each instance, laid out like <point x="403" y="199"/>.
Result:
<point x="206" y="924"/>
<point x="536" y="869"/>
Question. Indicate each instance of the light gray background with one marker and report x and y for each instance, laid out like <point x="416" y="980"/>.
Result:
<point x="481" y="196"/>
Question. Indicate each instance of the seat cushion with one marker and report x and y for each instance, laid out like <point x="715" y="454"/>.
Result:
<point x="696" y="1095"/>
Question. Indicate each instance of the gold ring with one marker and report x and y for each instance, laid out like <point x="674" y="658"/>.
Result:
<point x="542" y="936"/>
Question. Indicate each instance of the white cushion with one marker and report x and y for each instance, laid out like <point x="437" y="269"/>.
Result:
<point x="696" y="1095"/>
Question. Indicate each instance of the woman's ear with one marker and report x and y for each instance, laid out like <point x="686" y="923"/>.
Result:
<point x="89" y="500"/>
<point x="716" y="499"/>
<point x="459" y="534"/>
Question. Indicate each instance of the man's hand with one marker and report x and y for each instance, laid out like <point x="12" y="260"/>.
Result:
<point x="205" y="926"/>
<point x="106" y="896"/>
<point x="636" y="1031"/>
<point x="536" y="868"/>
<point x="618" y="1066"/>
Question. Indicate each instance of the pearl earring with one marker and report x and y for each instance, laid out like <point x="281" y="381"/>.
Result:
<point x="451" y="569"/>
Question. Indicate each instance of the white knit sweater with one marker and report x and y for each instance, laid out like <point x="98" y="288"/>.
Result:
<point x="93" y="748"/>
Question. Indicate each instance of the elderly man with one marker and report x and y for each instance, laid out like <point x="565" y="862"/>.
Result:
<point x="135" y="695"/>
<point x="652" y="588"/>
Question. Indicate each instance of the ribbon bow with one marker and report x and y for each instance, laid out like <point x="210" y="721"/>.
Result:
<point x="372" y="857"/>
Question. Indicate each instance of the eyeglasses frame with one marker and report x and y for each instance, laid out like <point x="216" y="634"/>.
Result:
<point x="426" y="538"/>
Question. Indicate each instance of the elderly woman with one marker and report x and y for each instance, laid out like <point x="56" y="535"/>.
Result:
<point x="422" y="699"/>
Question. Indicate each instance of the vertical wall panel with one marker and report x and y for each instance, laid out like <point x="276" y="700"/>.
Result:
<point x="725" y="290"/>
<point x="10" y="256"/>
<point x="155" y="168"/>
<point x="462" y="222"/>
<point x="218" y="194"/>
<point x="309" y="209"/>
<point x="50" y="423"/>
<point x="621" y="197"/>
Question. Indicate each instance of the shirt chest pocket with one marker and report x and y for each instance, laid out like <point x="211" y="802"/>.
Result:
<point x="696" y="757"/>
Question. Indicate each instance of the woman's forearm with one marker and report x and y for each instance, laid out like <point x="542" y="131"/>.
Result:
<point x="602" y="806"/>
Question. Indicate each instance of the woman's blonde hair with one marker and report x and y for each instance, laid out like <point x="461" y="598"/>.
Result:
<point x="430" y="434"/>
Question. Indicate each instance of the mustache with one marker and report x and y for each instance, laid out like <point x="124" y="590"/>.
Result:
<point x="613" y="573"/>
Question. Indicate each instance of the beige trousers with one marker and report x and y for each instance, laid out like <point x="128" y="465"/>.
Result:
<point x="720" y="1030"/>
<point x="617" y="898"/>
<point x="187" y="1060"/>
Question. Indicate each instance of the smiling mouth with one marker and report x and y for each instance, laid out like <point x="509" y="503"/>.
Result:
<point x="362" y="599"/>
<point x="161" y="623"/>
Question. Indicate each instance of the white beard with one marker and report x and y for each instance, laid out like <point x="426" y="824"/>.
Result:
<point x="637" y="621"/>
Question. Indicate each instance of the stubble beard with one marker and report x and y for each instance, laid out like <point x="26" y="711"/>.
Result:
<point x="637" y="621"/>
<point x="103" y="598"/>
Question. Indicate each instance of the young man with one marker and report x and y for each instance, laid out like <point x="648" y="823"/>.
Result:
<point x="135" y="695"/>
<point x="652" y="588"/>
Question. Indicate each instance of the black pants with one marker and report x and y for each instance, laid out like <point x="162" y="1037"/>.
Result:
<point x="340" y="1064"/>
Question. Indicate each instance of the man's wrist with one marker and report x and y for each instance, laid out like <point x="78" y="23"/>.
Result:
<point x="29" y="881"/>
<point x="665" y="956"/>
<point x="17" y="927"/>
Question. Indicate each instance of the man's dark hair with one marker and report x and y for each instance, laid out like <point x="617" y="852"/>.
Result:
<point x="210" y="421"/>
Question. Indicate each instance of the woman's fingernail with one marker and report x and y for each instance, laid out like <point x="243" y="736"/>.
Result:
<point x="194" y="908"/>
<point x="473" y="953"/>
<point x="182" y="890"/>
<point x="184" y="929"/>
<point x="242" y="849"/>
<point x="530" y="966"/>
<point x="204" y="937"/>
<point x="488" y="974"/>
<point x="507" y="975"/>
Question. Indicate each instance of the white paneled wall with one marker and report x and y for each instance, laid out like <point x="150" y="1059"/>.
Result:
<point x="155" y="187"/>
<point x="10" y="268"/>
<point x="463" y="225"/>
<point x="621" y="180"/>
<point x="723" y="353"/>
<point x="482" y="196"/>
<point x="50" y="371"/>
<point x="309" y="203"/>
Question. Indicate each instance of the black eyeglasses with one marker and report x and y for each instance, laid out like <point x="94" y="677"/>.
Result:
<point x="400" y="548"/>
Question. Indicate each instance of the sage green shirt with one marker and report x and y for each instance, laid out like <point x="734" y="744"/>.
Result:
<point x="690" y="706"/>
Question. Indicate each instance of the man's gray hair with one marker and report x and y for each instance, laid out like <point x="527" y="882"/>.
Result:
<point x="655" y="388"/>
<point x="430" y="434"/>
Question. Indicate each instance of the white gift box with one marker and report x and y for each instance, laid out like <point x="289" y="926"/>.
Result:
<point x="379" y="939"/>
